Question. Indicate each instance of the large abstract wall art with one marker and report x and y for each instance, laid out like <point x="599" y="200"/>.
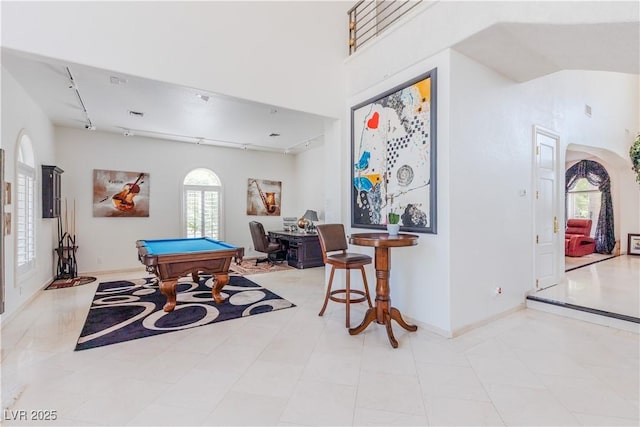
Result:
<point x="393" y="153"/>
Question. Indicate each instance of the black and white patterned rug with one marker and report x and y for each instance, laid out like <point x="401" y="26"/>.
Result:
<point x="130" y="309"/>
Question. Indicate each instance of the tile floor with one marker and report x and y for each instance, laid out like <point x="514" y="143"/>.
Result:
<point x="292" y="367"/>
<point x="611" y="285"/>
<point x="571" y="263"/>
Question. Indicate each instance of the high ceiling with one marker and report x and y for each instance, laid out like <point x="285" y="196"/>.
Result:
<point x="168" y="111"/>
<point x="524" y="52"/>
<point x="519" y="51"/>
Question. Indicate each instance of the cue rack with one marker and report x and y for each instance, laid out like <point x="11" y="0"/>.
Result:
<point x="67" y="267"/>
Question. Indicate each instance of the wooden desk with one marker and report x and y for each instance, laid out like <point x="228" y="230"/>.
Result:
<point x="382" y="312"/>
<point x="303" y="249"/>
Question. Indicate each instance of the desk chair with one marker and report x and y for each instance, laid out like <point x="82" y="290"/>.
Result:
<point x="261" y="243"/>
<point x="334" y="252"/>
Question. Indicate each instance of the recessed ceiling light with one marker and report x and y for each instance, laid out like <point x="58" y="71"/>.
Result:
<point x="205" y="98"/>
<point x="117" y="80"/>
<point x="273" y="135"/>
<point x="136" y="113"/>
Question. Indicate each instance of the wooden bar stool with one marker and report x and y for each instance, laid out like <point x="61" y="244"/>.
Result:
<point x="333" y="239"/>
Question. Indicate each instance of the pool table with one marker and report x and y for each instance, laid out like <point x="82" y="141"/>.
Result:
<point x="170" y="259"/>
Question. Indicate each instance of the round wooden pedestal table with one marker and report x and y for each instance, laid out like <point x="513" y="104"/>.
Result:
<point x="382" y="312"/>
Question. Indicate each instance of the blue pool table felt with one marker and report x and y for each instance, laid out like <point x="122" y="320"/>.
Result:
<point x="180" y="246"/>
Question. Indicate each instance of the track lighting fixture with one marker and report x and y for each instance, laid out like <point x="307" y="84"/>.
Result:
<point x="74" y="86"/>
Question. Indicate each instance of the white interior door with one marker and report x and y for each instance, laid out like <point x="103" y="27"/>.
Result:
<point x="546" y="214"/>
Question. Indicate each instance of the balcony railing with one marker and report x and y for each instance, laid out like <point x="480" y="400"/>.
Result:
<point x="368" y="18"/>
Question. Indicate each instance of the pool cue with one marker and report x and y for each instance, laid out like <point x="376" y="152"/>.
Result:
<point x="66" y="218"/>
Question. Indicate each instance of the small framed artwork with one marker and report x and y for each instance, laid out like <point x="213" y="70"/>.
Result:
<point x="263" y="197"/>
<point x="7" y="193"/>
<point x="7" y="223"/>
<point x="633" y="244"/>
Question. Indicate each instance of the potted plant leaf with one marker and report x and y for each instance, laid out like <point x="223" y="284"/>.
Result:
<point x="634" y="155"/>
<point x="392" y="225"/>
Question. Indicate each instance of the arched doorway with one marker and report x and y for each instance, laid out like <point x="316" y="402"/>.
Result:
<point x="593" y="177"/>
<point x="624" y="194"/>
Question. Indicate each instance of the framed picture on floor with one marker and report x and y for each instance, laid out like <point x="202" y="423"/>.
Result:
<point x="633" y="244"/>
<point x="393" y="157"/>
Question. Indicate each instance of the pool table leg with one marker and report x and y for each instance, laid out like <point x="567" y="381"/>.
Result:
<point x="168" y="289"/>
<point x="220" y="281"/>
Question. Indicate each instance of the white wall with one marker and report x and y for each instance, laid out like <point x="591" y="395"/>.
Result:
<point x="491" y="231"/>
<point x="282" y="53"/>
<point x="608" y="134"/>
<point x="420" y="275"/>
<point x="491" y="161"/>
<point x="113" y="239"/>
<point x="19" y="113"/>
<point x="485" y="127"/>
<point x="310" y="191"/>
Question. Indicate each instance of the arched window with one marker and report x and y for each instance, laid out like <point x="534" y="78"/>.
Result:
<point x="583" y="201"/>
<point x="201" y="195"/>
<point x="25" y="206"/>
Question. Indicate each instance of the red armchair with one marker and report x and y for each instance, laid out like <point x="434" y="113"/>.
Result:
<point x="576" y="238"/>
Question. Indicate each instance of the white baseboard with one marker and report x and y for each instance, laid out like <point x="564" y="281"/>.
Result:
<point x="6" y="318"/>
<point x="457" y="332"/>
<point x="467" y="328"/>
<point x="430" y="328"/>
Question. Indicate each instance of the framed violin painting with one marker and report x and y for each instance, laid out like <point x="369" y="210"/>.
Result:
<point x="120" y="193"/>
